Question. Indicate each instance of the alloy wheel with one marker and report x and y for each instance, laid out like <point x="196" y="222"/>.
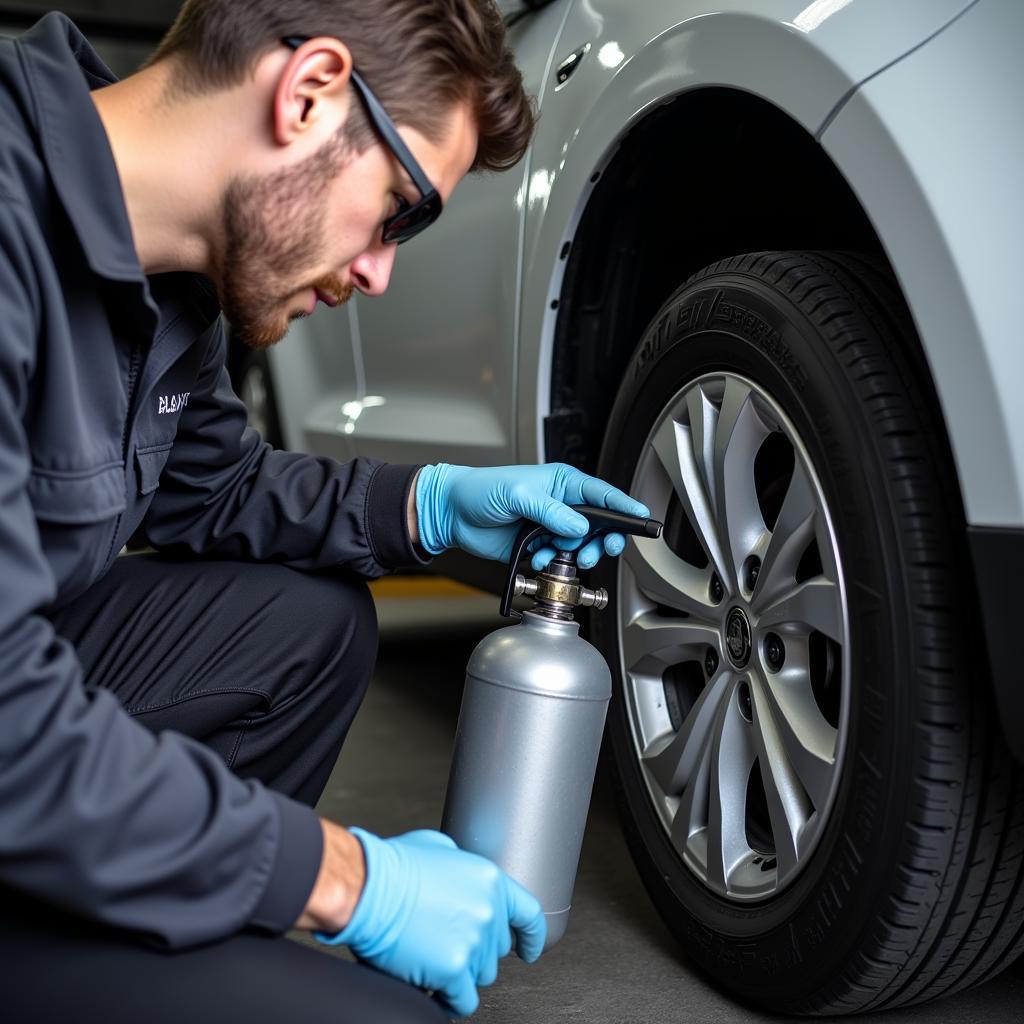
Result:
<point x="734" y="638"/>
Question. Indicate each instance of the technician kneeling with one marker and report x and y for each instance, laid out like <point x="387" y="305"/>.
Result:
<point x="167" y="722"/>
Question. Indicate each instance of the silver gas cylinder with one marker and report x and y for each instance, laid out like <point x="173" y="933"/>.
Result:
<point x="529" y="731"/>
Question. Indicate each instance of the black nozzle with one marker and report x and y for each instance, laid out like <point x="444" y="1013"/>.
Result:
<point x="601" y="520"/>
<point x="604" y="520"/>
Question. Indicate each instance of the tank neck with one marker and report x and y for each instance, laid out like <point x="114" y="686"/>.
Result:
<point x="547" y="624"/>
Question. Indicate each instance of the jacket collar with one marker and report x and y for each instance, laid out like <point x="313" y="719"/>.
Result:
<point x="61" y="69"/>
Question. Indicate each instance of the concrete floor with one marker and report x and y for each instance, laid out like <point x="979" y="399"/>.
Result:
<point x="617" y="963"/>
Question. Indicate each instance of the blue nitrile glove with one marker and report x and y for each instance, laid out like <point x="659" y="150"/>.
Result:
<point x="439" y="917"/>
<point x="481" y="510"/>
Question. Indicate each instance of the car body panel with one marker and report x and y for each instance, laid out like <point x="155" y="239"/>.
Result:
<point x="949" y="211"/>
<point x="317" y="377"/>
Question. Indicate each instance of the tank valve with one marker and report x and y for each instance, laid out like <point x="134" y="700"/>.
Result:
<point x="558" y="589"/>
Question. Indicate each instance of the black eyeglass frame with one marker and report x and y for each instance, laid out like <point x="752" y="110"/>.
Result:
<point x="410" y="220"/>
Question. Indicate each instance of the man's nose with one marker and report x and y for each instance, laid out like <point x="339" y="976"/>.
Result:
<point x="371" y="270"/>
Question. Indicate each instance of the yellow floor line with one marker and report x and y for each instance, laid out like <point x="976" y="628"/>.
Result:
<point x="421" y="586"/>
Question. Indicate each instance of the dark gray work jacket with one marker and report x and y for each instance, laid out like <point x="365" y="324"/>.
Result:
<point x="116" y="412"/>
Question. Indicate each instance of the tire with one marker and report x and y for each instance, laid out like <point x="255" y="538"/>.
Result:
<point x="254" y="385"/>
<point x="900" y="879"/>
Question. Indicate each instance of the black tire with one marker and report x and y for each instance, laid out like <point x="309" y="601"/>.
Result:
<point x="915" y="889"/>
<point x="254" y="385"/>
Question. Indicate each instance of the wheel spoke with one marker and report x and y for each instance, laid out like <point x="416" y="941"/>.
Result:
<point x="732" y="757"/>
<point x="651" y="642"/>
<point x="806" y="737"/>
<point x="826" y="550"/>
<point x="692" y="814"/>
<point x="793" y="531"/>
<point x="673" y="759"/>
<point x="679" y="450"/>
<point x="788" y="805"/>
<point x="702" y="415"/>
<point x="813" y="604"/>
<point x="739" y="432"/>
<point x="664" y="577"/>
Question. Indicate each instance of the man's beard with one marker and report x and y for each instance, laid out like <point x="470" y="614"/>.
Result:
<point x="273" y="227"/>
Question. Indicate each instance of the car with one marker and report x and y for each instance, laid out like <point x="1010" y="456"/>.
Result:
<point x="759" y="269"/>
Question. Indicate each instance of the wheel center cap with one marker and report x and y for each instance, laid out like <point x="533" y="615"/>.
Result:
<point x="737" y="637"/>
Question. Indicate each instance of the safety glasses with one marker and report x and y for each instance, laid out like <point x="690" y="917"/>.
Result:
<point x="410" y="220"/>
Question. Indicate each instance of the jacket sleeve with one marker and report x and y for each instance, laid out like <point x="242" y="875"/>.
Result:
<point x="226" y="492"/>
<point x="97" y="815"/>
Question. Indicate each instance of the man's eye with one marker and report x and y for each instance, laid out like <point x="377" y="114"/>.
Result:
<point x="400" y="203"/>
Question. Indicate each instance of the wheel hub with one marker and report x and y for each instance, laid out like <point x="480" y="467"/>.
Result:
<point x="737" y="637"/>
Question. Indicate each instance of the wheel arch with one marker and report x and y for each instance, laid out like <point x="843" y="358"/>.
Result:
<point x="636" y="240"/>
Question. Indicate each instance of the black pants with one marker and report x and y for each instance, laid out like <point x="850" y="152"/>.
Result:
<point x="267" y="666"/>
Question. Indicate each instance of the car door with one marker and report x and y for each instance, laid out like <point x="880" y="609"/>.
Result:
<point x="438" y="350"/>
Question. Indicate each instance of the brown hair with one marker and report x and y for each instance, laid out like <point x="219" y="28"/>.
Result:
<point x="420" y="57"/>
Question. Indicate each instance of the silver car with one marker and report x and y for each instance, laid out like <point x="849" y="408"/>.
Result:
<point x="760" y="269"/>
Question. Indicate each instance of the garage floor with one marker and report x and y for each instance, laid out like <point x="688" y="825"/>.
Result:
<point x="617" y="963"/>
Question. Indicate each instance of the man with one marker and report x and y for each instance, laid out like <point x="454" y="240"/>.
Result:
<point x="167" y="723"/>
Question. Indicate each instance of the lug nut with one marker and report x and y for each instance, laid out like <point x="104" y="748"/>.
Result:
<point x="751" y="568"/>
<point x="746" y="706"/>
<point x="716" y="589"/>
<point x="774" y="651"/>
<point x="711" y="662"/>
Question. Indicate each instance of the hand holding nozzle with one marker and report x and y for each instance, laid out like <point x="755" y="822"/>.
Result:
<point x="480" y="510"/>
<point x="558" y="584"/>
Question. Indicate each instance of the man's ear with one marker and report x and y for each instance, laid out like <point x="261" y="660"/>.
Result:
<point x="311" y="90"/>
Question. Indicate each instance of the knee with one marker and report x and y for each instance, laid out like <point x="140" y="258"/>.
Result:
<point x="335" y="615"/>
<point x="357" y="622"/>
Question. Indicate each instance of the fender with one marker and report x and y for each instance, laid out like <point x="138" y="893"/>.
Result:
<point x="932" y="148"/>
<point x="806" y="59"/>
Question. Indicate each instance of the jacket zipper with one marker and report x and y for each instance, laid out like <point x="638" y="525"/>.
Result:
<point x="133" y="372"/>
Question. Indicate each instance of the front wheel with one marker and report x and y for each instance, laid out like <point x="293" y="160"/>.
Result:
<point x="811" y="780"/>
